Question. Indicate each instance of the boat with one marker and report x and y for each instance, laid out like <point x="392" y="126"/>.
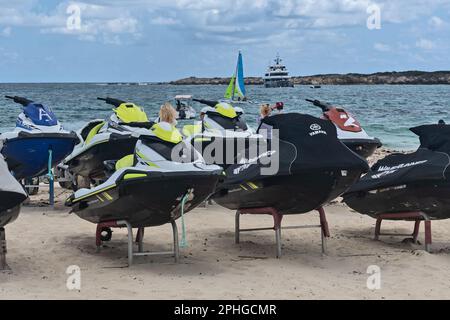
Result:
<point x="105" y="140"/>
<point x="236" y="92"/>
<point x="222" y="134"/>
<point x="38" y="141"/>
<point x="418" y="181"/>
<point x="183" y="105"/>
<point x="349" y="129"/>
<point x="12" y="195"/>
<point x="308" y="168"/>
<point x="315" y="86"/>
<point x="150" y="187"/>
<point x="277" y="75"/>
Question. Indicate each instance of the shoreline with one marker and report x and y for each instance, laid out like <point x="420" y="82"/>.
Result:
<point x="379" y="78"/>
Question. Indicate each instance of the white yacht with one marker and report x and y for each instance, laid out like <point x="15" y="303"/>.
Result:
<point x="277" y="75"/>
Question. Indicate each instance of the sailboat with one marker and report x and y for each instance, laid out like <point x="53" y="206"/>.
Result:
<point x="236" y="89"/>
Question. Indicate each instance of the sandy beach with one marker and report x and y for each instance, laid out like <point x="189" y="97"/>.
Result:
<point x="44" y="242"/>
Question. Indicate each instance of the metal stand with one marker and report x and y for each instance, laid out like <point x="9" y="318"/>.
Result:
<point x="139" y="240"/>
<point x="417" y="217"/>
<point x="277" y="218"/>
<point x="3" y="265"/>
<point x="51" y="181"/>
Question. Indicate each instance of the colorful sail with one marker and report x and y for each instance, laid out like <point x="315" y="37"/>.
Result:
<point x="236" y="88"/>
<point x="229" y="94"/>
<point x="240" y="85"/>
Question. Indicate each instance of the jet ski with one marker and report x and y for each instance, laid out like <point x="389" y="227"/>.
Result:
<point x="184" y="108"/>
<point x="222" y="134"/>
<point x="11" y="195"/>
<point x="37" y="140"/>
<point x="308" y="168"/>
<point x="418" y="181"/>
<point x="105" y="140"/>
<point x="349" y="129"/>
<point x="163" y="178"/>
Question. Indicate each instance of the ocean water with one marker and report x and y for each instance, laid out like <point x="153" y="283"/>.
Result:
<point x="386" y="112"/>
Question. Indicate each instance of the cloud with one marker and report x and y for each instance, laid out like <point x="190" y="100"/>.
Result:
<point x="97" y="22"/>
<point x="163" y="21"/>
<point x="227" y="22"/>
<point x="6" y="32"/>
<point x="436" y="22"/>
<point x="425" y="44"/>
<point x="382" y="47"/>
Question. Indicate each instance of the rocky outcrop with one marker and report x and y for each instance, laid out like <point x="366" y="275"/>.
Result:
<point x="407" y="77"/>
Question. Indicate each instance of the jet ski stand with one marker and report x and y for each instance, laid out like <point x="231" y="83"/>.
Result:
<point x="51" y="182"/>
<point x="3" y="265"/>
<point x="106" y="227"/>
<point x="417" y="217"/>
<point x="277" y="218"/>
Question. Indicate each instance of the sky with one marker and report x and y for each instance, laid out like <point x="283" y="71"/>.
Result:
<point x="163" y="40"/>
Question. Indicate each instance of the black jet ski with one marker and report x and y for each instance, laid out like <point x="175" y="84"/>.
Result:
<point x="349" y="130"/>
<point x="418" y="181"/>
<point x="313" y="168"/>
<point x="11" y="195"/>
<point x="103" y="140"/>
<point x="150" y="187"/>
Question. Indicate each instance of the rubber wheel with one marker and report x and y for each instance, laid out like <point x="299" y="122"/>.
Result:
<point x="106" y="234"/>
<point x="32" y="191"/>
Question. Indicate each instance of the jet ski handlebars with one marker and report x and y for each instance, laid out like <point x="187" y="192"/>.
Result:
<point x="111" y="101"/>
<point x="324" y="106"/>
<point x="23" y="101"/>
<point x="209" y="103"/>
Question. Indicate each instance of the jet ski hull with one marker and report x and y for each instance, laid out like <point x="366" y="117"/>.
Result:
<point x="295" y="194"/>
<point x="8" y="216"/>
<point x="27" y="155"/>
<point x="10" y="206"/>
<point x="363" y="147"/>
<point x="90" y="163"/>
<point x="146" y="202"/>
<point x="431" y="198"/>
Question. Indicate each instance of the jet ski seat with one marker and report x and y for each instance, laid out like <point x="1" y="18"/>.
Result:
<point x="191" y="129"/>
<point x="93" y="132"/>
<point x="125" y="162"/>
<point x="112" y="166"/>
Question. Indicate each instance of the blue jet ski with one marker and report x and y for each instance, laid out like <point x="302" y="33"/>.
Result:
<point x="38" y="141"/>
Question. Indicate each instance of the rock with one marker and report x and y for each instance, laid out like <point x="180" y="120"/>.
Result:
<point x="406" y="77"/>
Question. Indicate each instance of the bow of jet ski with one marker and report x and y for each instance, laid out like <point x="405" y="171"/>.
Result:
<point x="11" y="195"/>
<point x="349" y="130"/>
<point x="163" y="178"/>
<point x="38" y="131"/>
<point x="418" y="181"/>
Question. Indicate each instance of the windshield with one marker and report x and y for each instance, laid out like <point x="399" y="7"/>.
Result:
<point x="40" y="115"/>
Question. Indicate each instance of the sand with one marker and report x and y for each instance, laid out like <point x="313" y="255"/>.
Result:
<point x="44" y="242"/>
